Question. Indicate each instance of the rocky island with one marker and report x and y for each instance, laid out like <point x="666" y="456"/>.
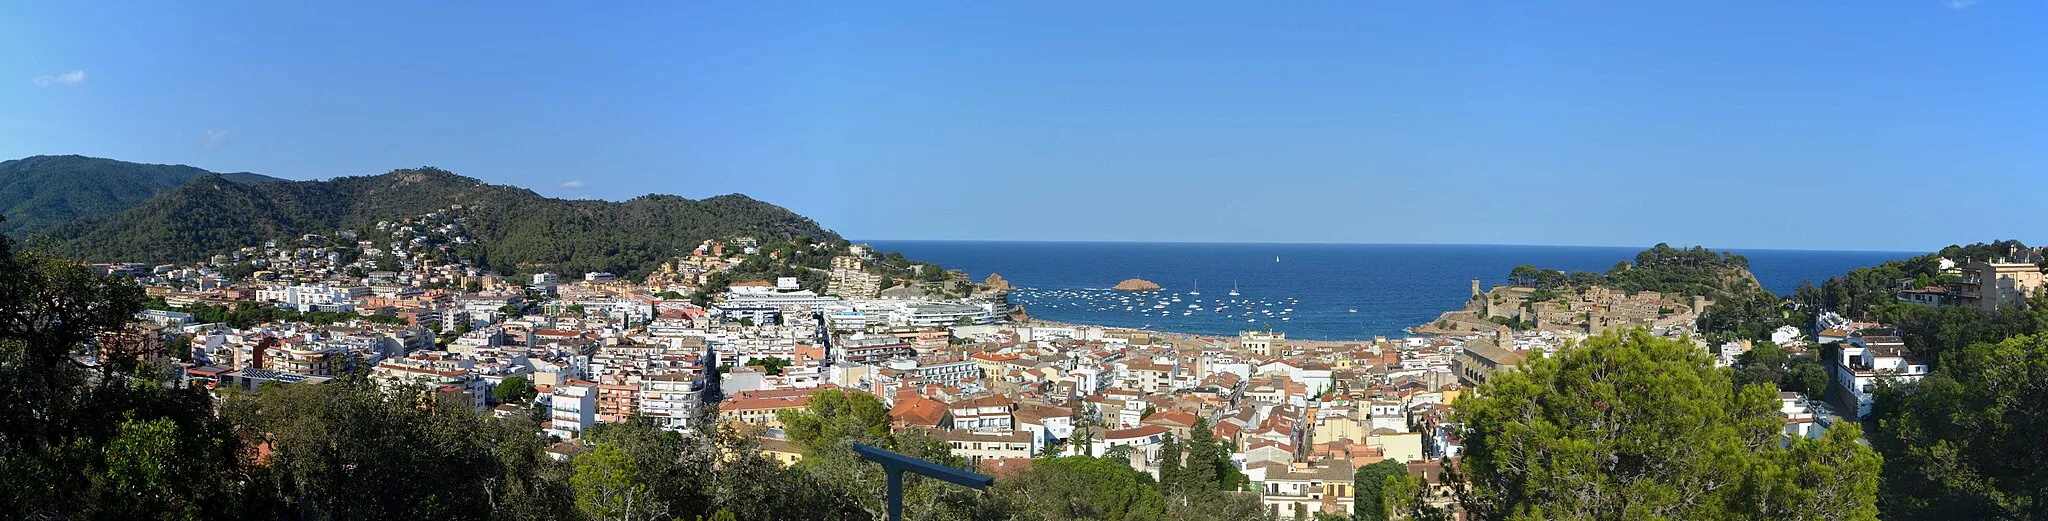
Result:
<point x="995" y="282"/>
<point x="1136" y="285"/>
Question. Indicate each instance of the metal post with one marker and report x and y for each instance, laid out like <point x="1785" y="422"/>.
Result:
<point x="894" y="464"/>
<point x="895" y="494"/>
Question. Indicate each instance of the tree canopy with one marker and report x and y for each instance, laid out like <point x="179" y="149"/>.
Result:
<point x="1967" y="442"/>
<point x="1630" y="426"/>
<point x="1367" y="485"/>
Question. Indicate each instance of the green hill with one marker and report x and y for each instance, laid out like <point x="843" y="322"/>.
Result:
<point x="1662" y="268"/>
<point x="517" y="230"/>
<point x="41" y="192"/>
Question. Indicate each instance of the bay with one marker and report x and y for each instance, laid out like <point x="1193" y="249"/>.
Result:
<point x="1311" y="291"/>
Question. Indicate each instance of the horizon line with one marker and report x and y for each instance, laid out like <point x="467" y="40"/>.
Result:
<point x="1333" y="243"/>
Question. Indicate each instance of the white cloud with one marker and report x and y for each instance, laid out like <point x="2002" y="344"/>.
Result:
<point x="68" y="79"/>
<point x="1959" y="4"/>
<point x="573" y="185"/>
<point x="214" y="139"/>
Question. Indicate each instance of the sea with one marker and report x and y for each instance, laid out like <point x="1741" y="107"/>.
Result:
<point x="1309" y="291"/>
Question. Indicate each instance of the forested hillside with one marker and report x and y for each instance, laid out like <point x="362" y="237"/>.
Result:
<point x="41" y="192"/>
<point x="1742" y="308"/>
<point x="517" y="229"/>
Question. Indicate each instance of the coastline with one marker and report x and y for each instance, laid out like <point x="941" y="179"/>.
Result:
<point x="1396" y="290"/>
<point x="1209" y="338"/>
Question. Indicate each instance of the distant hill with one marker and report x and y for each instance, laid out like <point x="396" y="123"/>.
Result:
<point x="1662" y="268"/>
<point x="41" y="192"/>
<point x="517" y="229"/>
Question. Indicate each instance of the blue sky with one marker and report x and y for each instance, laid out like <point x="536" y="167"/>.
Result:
<point x="1895" y="125"/>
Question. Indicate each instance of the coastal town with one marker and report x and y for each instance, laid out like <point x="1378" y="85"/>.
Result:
<point x="689" y="347"/>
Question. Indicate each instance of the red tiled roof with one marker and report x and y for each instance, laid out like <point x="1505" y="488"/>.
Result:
<point x="1139" y="432"/>
<point x="1005" y="467"/>
<point x="1174" y="417"/>
<point x="919" y="411"/>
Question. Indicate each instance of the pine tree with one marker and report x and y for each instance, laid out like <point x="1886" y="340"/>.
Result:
<point x="1170" y="470"/>
<point x="1203" y="457"/>
<point x="1628" y="425"/>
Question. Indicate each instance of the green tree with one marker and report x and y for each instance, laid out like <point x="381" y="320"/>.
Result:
<point x="1208" y="461"/>
<point x="515" y="390"/>
<point x="142" y="464"/>
<point x="115" y="440"/>
<point x="835" y="415"/>
<point x="1171" y="475"/>
<point x="1965" y="442"/>
<point x="1408" y="497"/>
<point x="770" y="365"/>
<point x="1763" y="364"/>
<point x="1627" y="425"/>
<point x="1081" y="487"/>
<point x="828" y="426"/>
<point x="1368" y="483"/>
<point x="1750" y="314"/>
<point x="608" y="485"/>
<point x="353" y="450"/>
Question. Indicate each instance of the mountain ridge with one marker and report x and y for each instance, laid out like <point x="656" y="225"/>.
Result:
<point x="516" y="228"/>
<point x="41" y="192"/>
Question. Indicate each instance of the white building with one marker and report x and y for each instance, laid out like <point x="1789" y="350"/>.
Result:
<point x="1802" y="420"/>
<point x="306" y="298"/>
<point x="1866" y="360"/>
<point x="1143" y="441"/>
<point x="572" y="408"/>
<point x="948" y="373"/>
<point x="1785" y="334"/>
<point x="937" y="314"/>
<point x="670" y="400"/>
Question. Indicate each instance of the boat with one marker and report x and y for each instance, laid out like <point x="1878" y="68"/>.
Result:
<point x="1198" y="287"/>
<point x="1233" y="288"/>
<point x="1276" y="258"/>
<point x="1354" y="310"/>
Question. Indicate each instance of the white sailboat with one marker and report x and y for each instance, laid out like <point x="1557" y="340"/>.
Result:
<point x="1233" y="288"/>
<point x="1198" y="287"/>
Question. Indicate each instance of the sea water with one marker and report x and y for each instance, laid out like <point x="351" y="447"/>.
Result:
<point x="1308" y="291"/>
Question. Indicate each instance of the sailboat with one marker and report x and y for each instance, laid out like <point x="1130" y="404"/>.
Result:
<point x="1276" y="258"/>
<point x="1233" y="288"/>
<point x="1198" y="287"/>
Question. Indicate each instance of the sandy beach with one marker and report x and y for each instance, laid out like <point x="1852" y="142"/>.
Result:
<point x="1197" y="337"/>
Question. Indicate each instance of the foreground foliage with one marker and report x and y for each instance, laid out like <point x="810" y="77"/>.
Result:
<point x="1629" y="426"/>
<point x="1971" y="440"/>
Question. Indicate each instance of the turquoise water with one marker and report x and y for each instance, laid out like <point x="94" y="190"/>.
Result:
<point x="1317" y="291"/>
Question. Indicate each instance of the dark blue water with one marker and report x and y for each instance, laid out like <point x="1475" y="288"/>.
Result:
<point x="1391" y="286"/>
